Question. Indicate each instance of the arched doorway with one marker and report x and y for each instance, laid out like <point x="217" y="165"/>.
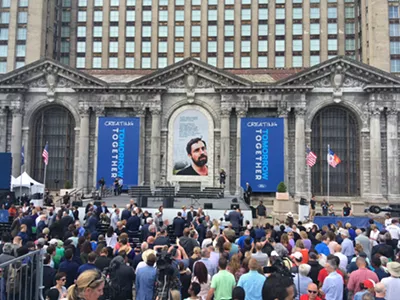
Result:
<point x="55" y="125"/>
<point x="336" y="126"/>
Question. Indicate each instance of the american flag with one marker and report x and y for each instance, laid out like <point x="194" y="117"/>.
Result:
<point x="45" y="154"/>
<point x="311" y="158"/>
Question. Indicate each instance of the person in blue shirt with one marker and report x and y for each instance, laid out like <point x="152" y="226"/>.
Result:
<point x="241" y="240"/>
<point x="146" y="279"/>
<point x="322" y="248"/>
<point x="69" y="267"/>
<point x="252" y="282"/>
<point x="92" y="256"/>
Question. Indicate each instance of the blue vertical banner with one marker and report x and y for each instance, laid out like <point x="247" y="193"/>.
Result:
<point x="118" y="150"/>
<point x="262" y="153"/>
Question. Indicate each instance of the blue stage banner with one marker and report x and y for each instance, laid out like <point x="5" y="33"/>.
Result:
<point x="5" y="174"/>
<point x="118" y="150"/>
<point x="262" y="153"/>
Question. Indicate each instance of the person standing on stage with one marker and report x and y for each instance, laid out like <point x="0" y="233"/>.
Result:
<point x="261" y="213"/>
<point x="325" y="208"/>
<point x="312" y="208"/>
<point x="247" y="193"/>
<point x="116" y="187"/>
<point x="222" y="177"/>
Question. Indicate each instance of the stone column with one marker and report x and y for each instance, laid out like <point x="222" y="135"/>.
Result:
<point x="392" y="153"/>
<point x="99" y="112"/>
<point x="25" y="142"/>
<point x="300" y="159"/>
<point x="284" y="115"/>
<point x="16" y="140"/>
<point x="3" y="130"/>
<point x="375" y="153"/>
<point x="83" y="148"/>
<point x="239" y="115"/>
<point x="155" y="151"/>
<point x="225" y="145"/>
<point x="141" y="114"/>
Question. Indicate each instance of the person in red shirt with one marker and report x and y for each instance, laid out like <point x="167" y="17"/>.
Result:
<point x="12" y="211"/>
<point x="312" y="293"/>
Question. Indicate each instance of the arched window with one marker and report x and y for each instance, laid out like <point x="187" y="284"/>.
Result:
<point x="55" y="125"/>
<point x="336" y="126"/>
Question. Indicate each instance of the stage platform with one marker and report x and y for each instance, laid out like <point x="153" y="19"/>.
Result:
<point x="154" y="202"/>
<point x="219" y="206"/>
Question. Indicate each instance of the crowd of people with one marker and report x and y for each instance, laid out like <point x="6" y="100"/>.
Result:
<point x="141" y="256"/>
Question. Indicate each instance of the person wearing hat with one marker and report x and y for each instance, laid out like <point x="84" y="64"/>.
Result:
<point x="359" y="276"/>
<point x="367" y="287"/>
<point x="392" y="283"/>
<point x="146" y="279"/>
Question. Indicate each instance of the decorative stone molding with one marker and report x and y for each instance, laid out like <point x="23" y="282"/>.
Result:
<point x="241" y="113"/>
<point x="3" y="111"/>
<point x="392" y="112"/>
<point x="225" y="113"/>
<point x="191" y="76"/>
<point x="140" y="113"/>
<point x="84" y="110"/>
<point x="155" y="111"/>
<point x="300" y="111"/>
<point x="99" y="110"/>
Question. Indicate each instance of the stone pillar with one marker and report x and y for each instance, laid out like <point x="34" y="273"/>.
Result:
<point x="225" y="145"/>
<point x="16" y="140"/>
<point x="300" y="156"/>
<point x="83" y="149"/>
<point x="141" y="114"/>
<point x="25" y="142"/>
<point x="284" y="115"/>
<point x="99" y="112"/>
<point x="375" y="153"/>
<point x="155" y="151"/>
<point x="392" y="153"/>
<point x="3" y="129"/>
<point x="239" y="115"/>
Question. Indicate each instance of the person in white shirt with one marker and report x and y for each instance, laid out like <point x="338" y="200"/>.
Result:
<point x="392" y="283"/>
<point x="388" y="220"/>
<point x="343" y="258"/>
<point x="394" y="230"/>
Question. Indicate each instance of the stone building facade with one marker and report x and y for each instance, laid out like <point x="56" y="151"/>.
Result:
<point x="338" y="87"/>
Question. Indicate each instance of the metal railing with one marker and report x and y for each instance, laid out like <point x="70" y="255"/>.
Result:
<point x="22" y="277"/>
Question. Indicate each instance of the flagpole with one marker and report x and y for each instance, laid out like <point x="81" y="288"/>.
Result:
<point x="20" y="186"/>
<point x="44" y="180"/>
<point x="327" y="160"/>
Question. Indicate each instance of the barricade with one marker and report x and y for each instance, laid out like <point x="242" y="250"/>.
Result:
<point x="22" y="277"/>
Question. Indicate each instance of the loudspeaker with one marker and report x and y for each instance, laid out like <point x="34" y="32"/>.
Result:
<point x="142" y="201"/>
<point x="208" y="206"/>
<point x="77" y="203"/>
<point x="168" y="202"/>
<point x="303" y="201"/>
<point x="234" y="206"/>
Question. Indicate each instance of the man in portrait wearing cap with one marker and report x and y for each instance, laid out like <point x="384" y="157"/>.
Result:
<point x="392" y="283"/>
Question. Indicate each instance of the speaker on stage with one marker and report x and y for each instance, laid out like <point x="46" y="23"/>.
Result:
<point x="142" y="201"/>
<point x="208" y="206"/>
<point x="234" y="206"/>
<point x="168" y="202"/>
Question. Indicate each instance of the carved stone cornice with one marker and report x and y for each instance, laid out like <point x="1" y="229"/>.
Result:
<point x="140" y="113"/>
<point x="300" y="111"/>
<point x="17" y="110"/>
<point x="392" y="112"/>
<point x="225" y="112"/>
<point x="84" y="110"/>
<point x="241" y="113"/>
<point x="155" y="111"/>
<point x="99" y="110"/>
<point x="375" y="111"/>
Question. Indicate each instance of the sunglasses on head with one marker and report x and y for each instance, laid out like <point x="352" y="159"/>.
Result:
<point x="98" y="277"/>
<point x="63" y="279"/>
<point x="312" y="292"/>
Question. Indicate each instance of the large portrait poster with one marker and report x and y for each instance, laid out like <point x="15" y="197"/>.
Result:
<point x="262" y="153"/>
<point x="190" y="141"/>
<point x="118" y="150"/>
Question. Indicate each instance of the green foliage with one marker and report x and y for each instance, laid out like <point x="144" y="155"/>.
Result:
<point x="281" y="187"/>
<point x="67" y="185"/>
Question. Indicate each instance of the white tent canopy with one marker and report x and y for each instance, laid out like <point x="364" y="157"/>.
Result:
<point x="29" y="185"/>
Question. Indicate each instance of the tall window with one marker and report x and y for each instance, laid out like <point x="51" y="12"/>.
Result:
<point x="336" y="126"/>
<point x="54" y="125"/>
